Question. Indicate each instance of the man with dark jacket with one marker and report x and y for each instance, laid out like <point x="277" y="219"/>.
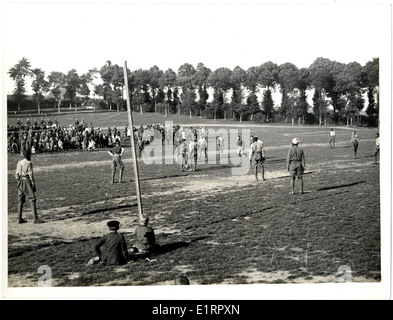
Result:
<point x="111" y="249"/>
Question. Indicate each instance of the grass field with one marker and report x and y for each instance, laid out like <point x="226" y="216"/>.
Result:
<point x="214" y="227"/>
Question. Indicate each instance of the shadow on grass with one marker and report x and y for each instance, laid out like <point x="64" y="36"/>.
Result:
<point x="341" y="186"/>
<point x="201" y="168"/>
<point x="288" y="176"/>
<point x="165" y="248"/>
<point x="164" y="177"/>
<point x="275" y="161"/>
<point x="106" y="209"/>
<point x="53" y="243"/>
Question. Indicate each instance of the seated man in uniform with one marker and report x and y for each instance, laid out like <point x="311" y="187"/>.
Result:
<point x="145" y="237"/>
<point x="111" y="249"/>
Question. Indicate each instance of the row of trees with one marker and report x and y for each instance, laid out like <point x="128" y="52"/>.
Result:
<point x="338" y="89"/>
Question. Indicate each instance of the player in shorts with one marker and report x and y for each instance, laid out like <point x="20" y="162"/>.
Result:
<point x="26" y="186"/>
<point x="184" y="155"/>
<point x="332" y="141"/>
<point x="193" y="154"/>
<point x="257" y="157"/>
<point x="240" y="147"/>
<point x="296" y="164"/>
<point x="116" y="152"/>
<point x="355" y="143"/>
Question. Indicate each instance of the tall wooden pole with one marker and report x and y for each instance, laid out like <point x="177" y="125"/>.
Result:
<point x="133" y="149"/>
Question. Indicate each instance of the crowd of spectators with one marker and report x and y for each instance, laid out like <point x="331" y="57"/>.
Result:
<point x="50" y="136"/>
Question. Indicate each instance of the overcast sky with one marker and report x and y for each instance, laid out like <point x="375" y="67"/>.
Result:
<point x="61" y="36"/>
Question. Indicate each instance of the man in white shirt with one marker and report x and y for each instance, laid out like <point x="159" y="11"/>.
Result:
<point x="332" y="140"/>
<point x="202" y="147"/>
<point x="257" y="156"/>
<point x="26" y="186"/>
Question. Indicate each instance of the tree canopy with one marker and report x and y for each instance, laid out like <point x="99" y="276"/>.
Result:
<point x="338" y="89"/>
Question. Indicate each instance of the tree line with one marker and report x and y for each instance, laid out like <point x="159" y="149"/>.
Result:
<point x="338" y="90"/>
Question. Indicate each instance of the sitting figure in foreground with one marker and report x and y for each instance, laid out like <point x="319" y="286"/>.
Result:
<point x="145" y="237"/>
<point x="111" y="249"/>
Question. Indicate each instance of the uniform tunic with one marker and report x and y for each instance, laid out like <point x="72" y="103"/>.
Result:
<point x="116" y="159"/>
<point x="355" y="142"/>
<point x="145" y="238"/>
<point x="257" y="153"/>
<point x="25" y="177"/>
<point x="114" y="251"/>
<point x="295" y="160"/>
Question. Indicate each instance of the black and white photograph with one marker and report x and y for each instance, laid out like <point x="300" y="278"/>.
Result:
<point x="183" y="150"/>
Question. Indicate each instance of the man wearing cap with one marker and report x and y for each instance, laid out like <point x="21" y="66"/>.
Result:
<point x="145" y="237"/>
<point x="111" y="249"/>
<point x="296" y="164"/>
<point x="257" y="157"/>
<point x="116" y="152"/>
<point x="26" y="186"/>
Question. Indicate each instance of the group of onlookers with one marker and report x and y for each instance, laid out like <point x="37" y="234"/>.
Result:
<point x="50" y="136"/>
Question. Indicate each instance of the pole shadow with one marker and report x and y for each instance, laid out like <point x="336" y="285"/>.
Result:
<point x="341" y="186"/>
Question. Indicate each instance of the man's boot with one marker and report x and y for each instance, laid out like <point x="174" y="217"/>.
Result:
<point x="113" y="176"/>
<point x="34" y="212"/>
<point x="20" y="209"/>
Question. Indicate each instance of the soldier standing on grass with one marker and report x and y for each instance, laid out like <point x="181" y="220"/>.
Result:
<point x="202" y="147"/>
<point x="332" y="141"/>
<point x="240" y="147"/>
<point x="257" y="157"/>
<point x="296" y="163"/>
<point x="116" y="152"/>
<point x="355" y="143"/>
<point x="26" y="186"/>
<point x="193" y="154"/>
